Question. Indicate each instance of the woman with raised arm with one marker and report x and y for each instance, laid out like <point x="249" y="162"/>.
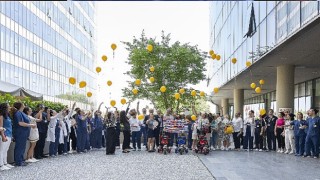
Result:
<point x="97" y="127"/>
<point x="81" y="122"/>
<point x="34" y="133"/>
<point x="111" y="133"/>
<point x="53" y="135"/>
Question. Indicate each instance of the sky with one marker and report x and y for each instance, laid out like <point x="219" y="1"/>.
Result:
<point x="120" y="21"/>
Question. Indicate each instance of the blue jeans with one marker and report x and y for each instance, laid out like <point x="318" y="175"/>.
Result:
<point x="144" y="134"/>
<point x="136" y="139"/>
<point x="52" y="148"/>
<point x="213" y="139"/>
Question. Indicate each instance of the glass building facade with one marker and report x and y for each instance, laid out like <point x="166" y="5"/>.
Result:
<point x="275" y="22"/>
<point x="45" y="43"/>
<point x="229" y="22"/>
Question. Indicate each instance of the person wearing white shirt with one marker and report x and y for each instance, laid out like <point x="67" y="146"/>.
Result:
<point x="237" y="123"/>
<point x="53" y="133"/>
<point x="135" y="127"/>
<point x="248" y="131"/>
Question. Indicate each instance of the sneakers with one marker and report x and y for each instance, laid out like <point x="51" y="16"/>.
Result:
<point x="9" y="166"/>
<point x="30" y="161"/>
<point x="278" y="150"/>
<point x="222" y="148"/>
<point x="291" y="152"/>
<point x="134" y="149"/>
<point x="281" y="151"/>
<point x="4" y="168"/>
<point x="139" y="149"/>
<point x="286" y="152"/>
<point x="260" y="150"/>
<point x="35" y="160"/>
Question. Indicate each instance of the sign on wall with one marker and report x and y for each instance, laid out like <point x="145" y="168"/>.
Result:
<point x="285" y="109"/>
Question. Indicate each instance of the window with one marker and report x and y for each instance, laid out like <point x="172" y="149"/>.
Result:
<point x="271" y="29"/>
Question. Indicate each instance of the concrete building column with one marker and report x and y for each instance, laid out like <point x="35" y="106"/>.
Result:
<point x="238" y="100"/>
<point x="285" y="87"/>
<point x="224" y="106"/>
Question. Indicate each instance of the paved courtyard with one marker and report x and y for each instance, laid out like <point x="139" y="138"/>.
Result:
<point x="244" y="165"/>
<point x="95" y="165"/>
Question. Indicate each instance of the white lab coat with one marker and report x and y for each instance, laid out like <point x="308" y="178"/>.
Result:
<point x="252" y="124"/>
<point x="52" y="127"/>
<point x="63" y="132"/>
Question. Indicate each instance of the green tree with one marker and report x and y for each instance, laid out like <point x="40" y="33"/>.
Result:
<point x="176" y="66"/>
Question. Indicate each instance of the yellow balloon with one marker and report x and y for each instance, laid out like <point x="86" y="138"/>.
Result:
<point x="163" y="89"/>
<point x="141" y="117"/>
<point x="138" y="82"/>
<point x="123" y="101"/>
<point x="213" y="56"/>
<point x="89" y="94"/>
<point x="177" y="96"/>
<point x="112" y="103"/>
<point x="216" y="90"/>
<point x="182" y="91"/>
<point x="253" y="85"/>
<point x="202" y="93"/>
<point x="248" y="63"/>
<point x="234" y="60"/>
<point x="151" y="79"/>
<point x="263" y="112"/>
<point x="151" y="68"/>
<point x="193" y="93"/>
<point x="72" y="80"/>
<point x="194" y="117"/>
<point x="218" y="57"/>
<point x="228" y="129"/>
<point x="113" y="46"/>
<point x="258" y="90"/>
<point x="149" y="47"/>
<point x="261" y="82"/>
<point x="211" y="52"/>
<point x="135" y="91"/>
<point x="109" y="83"/>
<point x="98" y="69"/>
<point x="82" y="84"/>
<point x="104" y="58"/>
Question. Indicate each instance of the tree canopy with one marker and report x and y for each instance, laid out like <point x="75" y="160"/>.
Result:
<point x="176" y="66"/>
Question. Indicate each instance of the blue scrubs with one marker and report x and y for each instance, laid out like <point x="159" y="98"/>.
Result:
<point x="21" y="135"/>
<point x="81" y="133"/>
<point x="312" y="139"/>
<point x="299" y="136"/>
<point x="97" y="127"/>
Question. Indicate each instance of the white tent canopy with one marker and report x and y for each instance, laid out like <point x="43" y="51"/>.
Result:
<point x="19" y="91"/>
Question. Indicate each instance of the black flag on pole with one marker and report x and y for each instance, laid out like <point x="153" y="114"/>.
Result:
<point x="252" y="24"/>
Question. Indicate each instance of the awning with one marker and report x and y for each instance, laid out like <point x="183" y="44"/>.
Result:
<point x="19" y="91"/>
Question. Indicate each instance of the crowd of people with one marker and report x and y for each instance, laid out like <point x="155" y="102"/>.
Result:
<point x="75" y="130"/>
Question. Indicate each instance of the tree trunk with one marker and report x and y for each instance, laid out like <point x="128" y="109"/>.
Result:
<point x="177" y="109"/>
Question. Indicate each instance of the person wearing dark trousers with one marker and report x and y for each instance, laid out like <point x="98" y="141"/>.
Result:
<point x="81" y="131"/>
<point x="258" y="132"/>
<point x="157" y="130"/>
<point x="299" y="134"/>
<point x="111" y="135"/>
<point x="118" y="130"/>
<point x="42" y="128"/>
<point x="313" y="133"/>
<point x="237" y="123"/>
<point x="278" y="132"/>
<point x="270" y="121"/>
<point x="97" y="128"/>
<point x="126" y="132"/>
<point x="21" y="127"/>
<point x="73" y="133"/>
<point x="190" y="122"/>
<point x="248" y="131"/>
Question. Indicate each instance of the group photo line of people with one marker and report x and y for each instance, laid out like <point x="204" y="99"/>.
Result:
<point x="74" y="130"/>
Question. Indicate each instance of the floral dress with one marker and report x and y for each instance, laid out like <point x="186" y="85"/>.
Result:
<point x="223" y="124"/>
